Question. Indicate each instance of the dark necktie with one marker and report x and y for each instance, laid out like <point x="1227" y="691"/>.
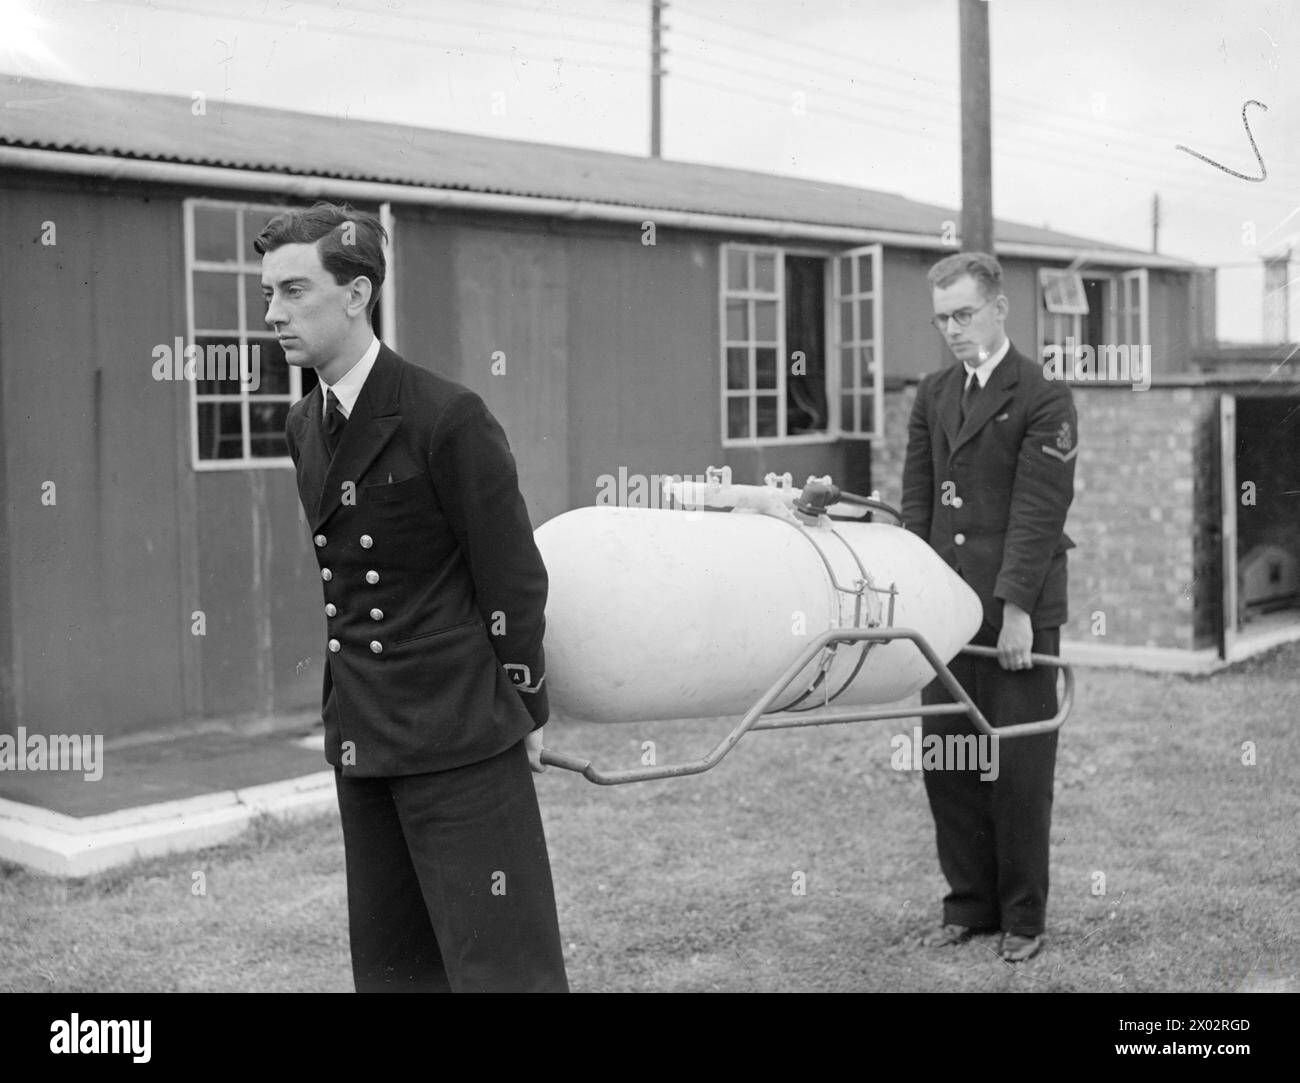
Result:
<point x="968" y="396"/>
<point x="335" y="419"/>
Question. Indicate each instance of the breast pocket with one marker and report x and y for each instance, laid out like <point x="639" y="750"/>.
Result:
<point x="389" y="495"/>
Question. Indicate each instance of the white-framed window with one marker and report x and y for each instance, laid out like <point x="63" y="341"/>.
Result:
<point x="236" y="419"/>
<point x="1114" y="313"/>
<point x="861" y="399"/>
<point x="800" y="345"/>
<point x="753" y="338"/>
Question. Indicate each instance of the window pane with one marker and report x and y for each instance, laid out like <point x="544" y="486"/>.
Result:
<point x="765" y="363"/>
<point x="737" y="321"/>
<point x="865" y="278"/>
<point x="866" y="325"/>
<point x="216" y="307"/>
<point x="214" y="233"/>
<point x="866" y="354"/>
<point x="847" y="418"/>
<point x="767" y="422"/>
<point x="266" y="429"/>
<point x="737" y="269"/>
<point x="266" y="357"/>
<point x="764" y="321"/>
<point x="848" y="370"/>
<point x="220" y="432"/>
<point x="254" y="222"/>
<point x="218" y="367"/>
<point x="254" y="304"/>
<point x="738" y="367"/>
<point x="738" y="418"/>
<point x="765" y="273"/>
<point x="846" y="276"/>
<point x="846" y="322"/>
<point x="866" y="419"/>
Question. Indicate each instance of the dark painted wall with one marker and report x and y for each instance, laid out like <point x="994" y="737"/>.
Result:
<point x="102" y="584"/>
<point x="1173" y="321"/>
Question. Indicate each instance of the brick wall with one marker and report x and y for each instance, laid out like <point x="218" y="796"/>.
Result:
<point x="887" y="455"/>
<point x="1134" y="517"/>
<point x="1142" y="561"/>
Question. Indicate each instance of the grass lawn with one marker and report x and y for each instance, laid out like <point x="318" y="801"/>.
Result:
<point x="687" y="884"/>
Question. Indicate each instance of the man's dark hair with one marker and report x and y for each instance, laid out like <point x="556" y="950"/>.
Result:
<point x="982" y="267"/>
<point x="345" y="252"/>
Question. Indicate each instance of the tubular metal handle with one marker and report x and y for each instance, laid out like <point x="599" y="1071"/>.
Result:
<point x="756" y="719"/>
<point x="1027" y="729"/>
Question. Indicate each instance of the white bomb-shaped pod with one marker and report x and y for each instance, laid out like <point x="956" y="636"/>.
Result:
<point x="661" y="614"/>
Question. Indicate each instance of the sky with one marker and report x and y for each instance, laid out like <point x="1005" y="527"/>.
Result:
<point x="1090" y="99"/>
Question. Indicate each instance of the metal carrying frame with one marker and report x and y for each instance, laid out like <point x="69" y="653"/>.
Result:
<point x="756" y="719"/>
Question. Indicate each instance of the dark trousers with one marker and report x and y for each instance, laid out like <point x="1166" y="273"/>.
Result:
<point x="993" y="835"/>
<point x="449" y="883"/>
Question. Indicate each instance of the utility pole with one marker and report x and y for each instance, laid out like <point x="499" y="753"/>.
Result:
<point x="656" y="78"/>
<point x="976" y="140"/>
<point x="1155" y="222"/>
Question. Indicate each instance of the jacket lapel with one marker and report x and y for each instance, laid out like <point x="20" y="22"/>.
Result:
<point x="372" y="423"/>
<point x="992" y="398"/>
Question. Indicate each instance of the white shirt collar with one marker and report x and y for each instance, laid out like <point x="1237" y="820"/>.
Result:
<point x="985" y="368"/>
<point x="348" y="387"/>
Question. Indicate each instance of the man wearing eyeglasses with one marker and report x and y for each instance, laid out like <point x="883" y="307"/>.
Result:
<point x="987" y="482"/>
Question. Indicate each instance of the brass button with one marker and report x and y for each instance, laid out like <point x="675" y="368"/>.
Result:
<point x="372" y="577"/>
<point x="367" y="541"/>
<point x="326" y="574"/>
<point x="331" y="610"/>
<point x="335" y="646"/>
<point x="959" y="539"/>
<point x="320" y="541"/>
<point x="376" y="646"/>
<point x="376" y="614"/>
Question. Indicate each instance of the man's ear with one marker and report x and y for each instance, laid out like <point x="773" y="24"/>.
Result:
<point x="359" y="291"/>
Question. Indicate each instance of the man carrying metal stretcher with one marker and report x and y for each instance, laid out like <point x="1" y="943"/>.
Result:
<point x="988" y="480"/>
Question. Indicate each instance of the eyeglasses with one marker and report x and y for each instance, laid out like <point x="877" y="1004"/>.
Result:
<point x="962" y="317"/>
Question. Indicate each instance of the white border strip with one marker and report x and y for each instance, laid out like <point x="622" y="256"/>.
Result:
<point x="71" y="846"/>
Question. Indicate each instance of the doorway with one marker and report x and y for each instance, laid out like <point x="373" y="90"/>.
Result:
<point x="1260" y="443"/>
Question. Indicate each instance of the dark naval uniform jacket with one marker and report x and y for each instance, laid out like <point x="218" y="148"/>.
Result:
<point x="991" y="495"/>
<point x="434" y="590"/>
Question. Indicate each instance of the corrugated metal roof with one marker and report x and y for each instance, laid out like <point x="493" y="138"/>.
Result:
<point x="130" y="124"/>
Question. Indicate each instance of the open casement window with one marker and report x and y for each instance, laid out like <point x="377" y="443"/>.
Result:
<point x="1082" y="307"/>
<point x="800" y="345"/>
<point x="774" y="356"/>
<point x="1057" y="323"/>
<point x="1133" y="325"/>
<point x="856" y="332"/>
